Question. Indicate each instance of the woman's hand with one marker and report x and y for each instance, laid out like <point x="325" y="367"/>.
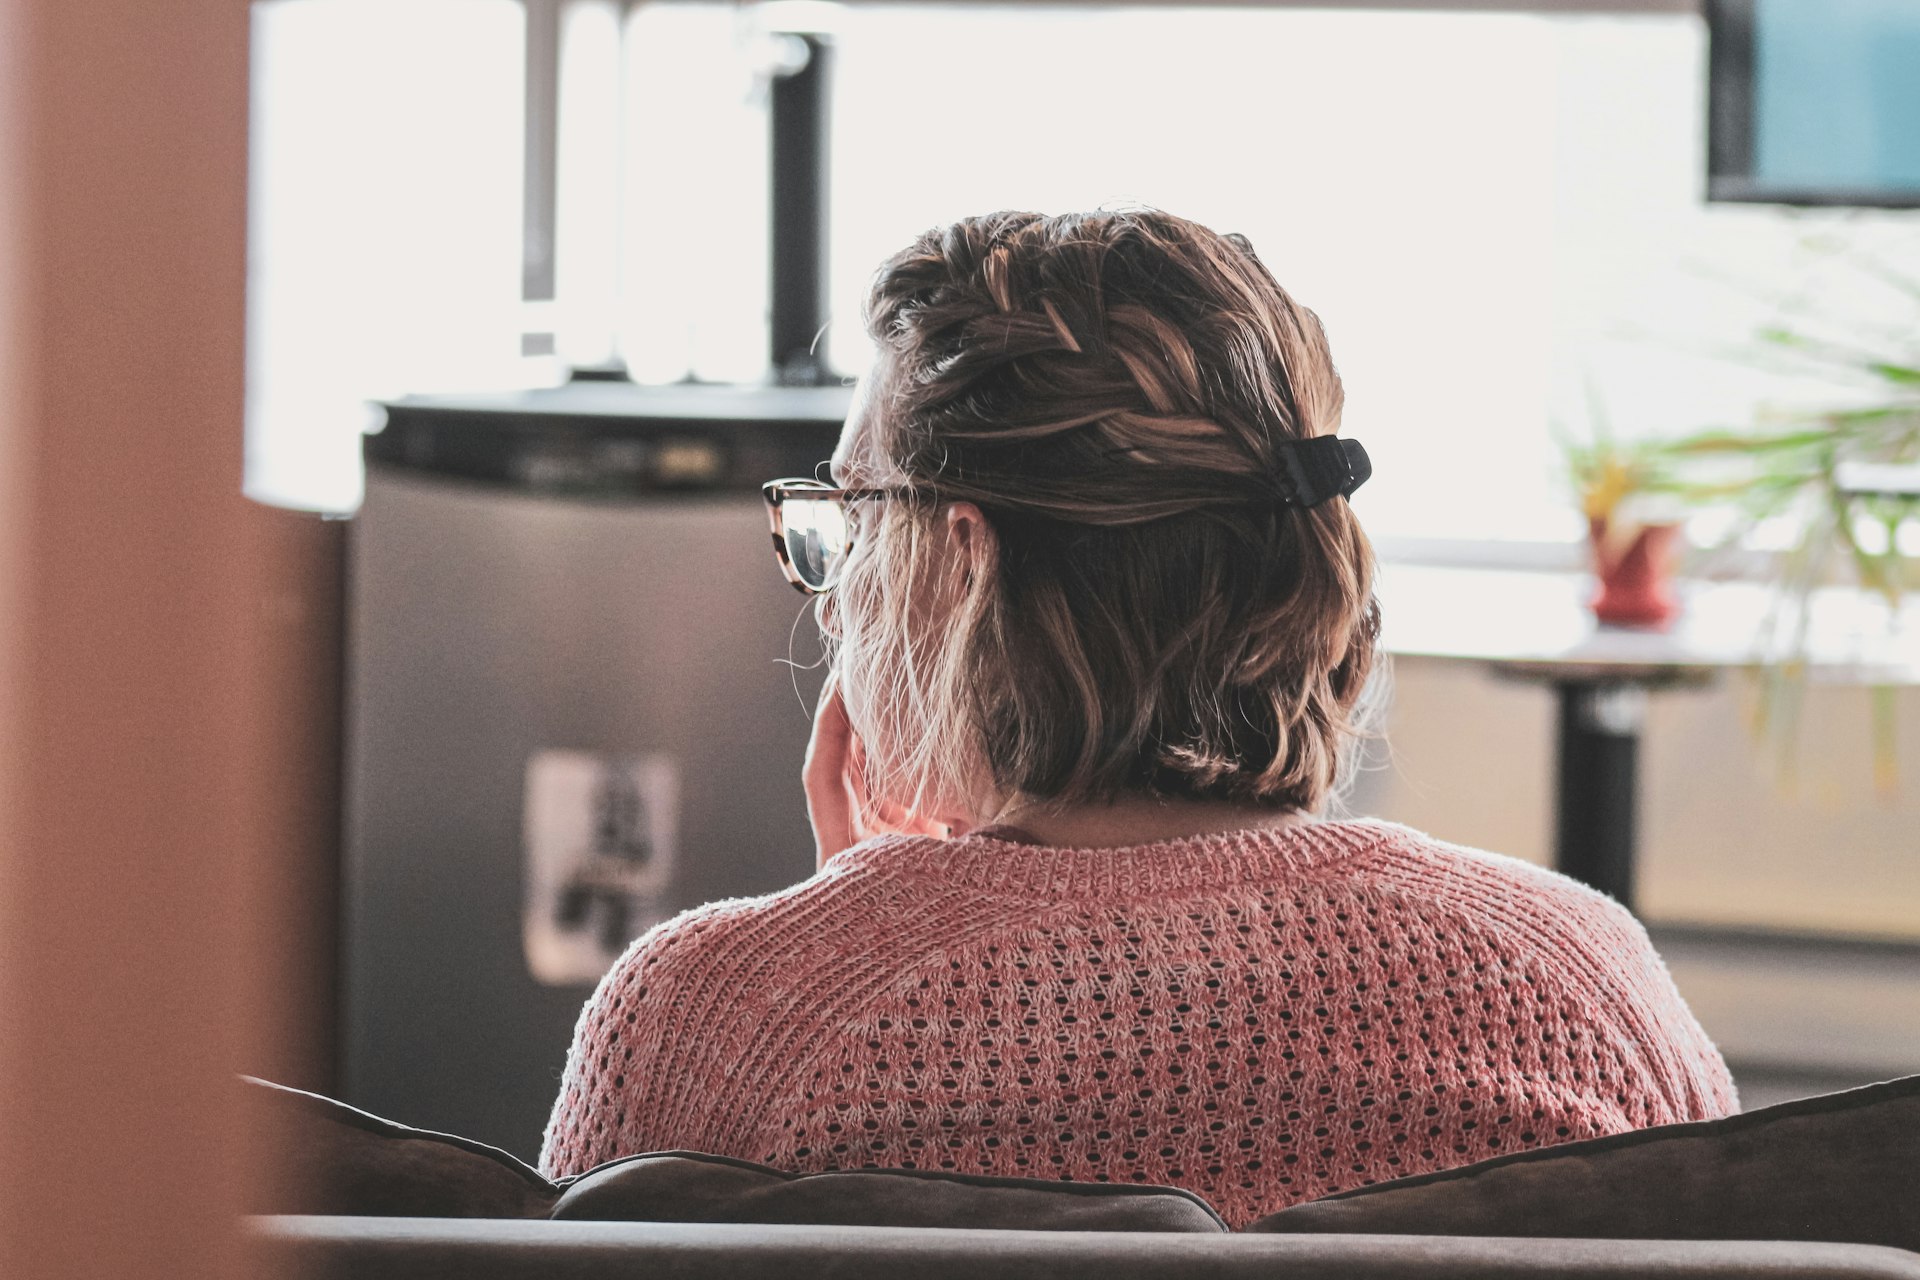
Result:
<point x="835" y="777"/>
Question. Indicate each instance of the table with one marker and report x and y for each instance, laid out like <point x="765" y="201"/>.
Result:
<point x="1535" y="626"/>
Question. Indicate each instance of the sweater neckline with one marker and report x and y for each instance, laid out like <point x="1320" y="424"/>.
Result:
<point x="985" y="862"/>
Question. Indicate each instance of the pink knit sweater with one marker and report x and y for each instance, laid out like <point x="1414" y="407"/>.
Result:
<point x="1261" y="1017"/>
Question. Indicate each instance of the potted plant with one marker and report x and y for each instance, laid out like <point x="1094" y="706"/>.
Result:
<point x="1845" y="481"/>
<point x="1632" y="537"/>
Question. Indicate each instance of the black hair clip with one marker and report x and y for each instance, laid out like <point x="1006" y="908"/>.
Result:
<point x="1321" y="468"/>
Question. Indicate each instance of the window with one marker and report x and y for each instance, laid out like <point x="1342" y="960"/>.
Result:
<point x="1498" y="215"/>
<point x="384" y="223"/>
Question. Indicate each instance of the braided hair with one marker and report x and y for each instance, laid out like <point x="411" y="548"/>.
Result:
<point x="1109" y="389"/>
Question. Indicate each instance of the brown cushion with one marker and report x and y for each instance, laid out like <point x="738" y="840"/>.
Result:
<point x="1844" y="1167"/>
<point x="341" y="1160"/>
<point x="682" y="1186"/>
<point x="338" y="1159"/>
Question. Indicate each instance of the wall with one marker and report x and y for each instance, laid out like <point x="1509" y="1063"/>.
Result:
<point x="1723" y="842"/>
<point x="154" y="632"/>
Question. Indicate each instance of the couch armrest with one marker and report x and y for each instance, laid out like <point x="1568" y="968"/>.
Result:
<point x="337" y="1248"/>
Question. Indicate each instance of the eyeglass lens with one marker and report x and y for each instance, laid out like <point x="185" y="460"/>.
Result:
<point x="816" y="533"/>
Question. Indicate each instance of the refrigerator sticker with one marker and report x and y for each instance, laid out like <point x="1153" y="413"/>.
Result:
<point x="600" y="837"/>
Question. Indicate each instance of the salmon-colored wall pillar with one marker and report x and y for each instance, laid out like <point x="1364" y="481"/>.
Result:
<point x="144" y="639"/>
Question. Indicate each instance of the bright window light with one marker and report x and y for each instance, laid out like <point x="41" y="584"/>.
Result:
<point x="1499" y="216"/>
<point x="384" y="225"/>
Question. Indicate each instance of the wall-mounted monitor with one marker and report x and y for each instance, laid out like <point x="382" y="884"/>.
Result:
<point x="1814" y="102"/>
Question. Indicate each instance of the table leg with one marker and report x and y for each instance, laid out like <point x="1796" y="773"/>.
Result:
<point x="1595" y="792"/>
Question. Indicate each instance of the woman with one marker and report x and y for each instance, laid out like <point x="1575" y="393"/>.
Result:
<point x="1101" y="620"/>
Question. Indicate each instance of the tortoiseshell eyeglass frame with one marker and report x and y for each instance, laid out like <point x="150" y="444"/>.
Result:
<point x="777" y="492"/>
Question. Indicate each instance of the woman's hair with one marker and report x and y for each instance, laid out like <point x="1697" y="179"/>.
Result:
<point x="1109" y="389"/>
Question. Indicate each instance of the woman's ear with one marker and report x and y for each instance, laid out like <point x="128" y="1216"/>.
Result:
<point x="970" y="539"/>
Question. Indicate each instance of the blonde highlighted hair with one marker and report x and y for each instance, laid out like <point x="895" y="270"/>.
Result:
<point x="1109" y="389"/>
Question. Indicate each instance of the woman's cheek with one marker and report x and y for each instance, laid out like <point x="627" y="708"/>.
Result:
<point x="854" y="691"/>
<point x="869" y="725"/>
<point x="826" y="615"/>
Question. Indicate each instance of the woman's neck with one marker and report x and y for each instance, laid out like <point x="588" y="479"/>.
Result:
<point x="1131" y="820"/>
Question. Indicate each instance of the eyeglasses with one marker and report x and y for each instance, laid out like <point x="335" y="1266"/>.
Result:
<point x="811" y="535"/>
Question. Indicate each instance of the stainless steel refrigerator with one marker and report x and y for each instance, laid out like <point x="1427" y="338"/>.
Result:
<point x="572" y="712"/>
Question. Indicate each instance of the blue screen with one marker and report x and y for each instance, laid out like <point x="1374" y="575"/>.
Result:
<point x="1836" y="95"/>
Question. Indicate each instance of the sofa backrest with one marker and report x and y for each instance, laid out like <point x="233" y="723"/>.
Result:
<point x="348" y="1162"/>
<point x="1841" y="1167"/>
<point x="320" y="1248"/>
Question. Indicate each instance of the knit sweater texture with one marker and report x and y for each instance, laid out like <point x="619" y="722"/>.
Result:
<point x="1262" y="1017"/>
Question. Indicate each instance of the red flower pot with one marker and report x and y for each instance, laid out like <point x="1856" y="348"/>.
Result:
<point x="1635" y="573"/>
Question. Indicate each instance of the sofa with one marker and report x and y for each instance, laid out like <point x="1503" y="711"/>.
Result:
<point x="1826" y="1186"/>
